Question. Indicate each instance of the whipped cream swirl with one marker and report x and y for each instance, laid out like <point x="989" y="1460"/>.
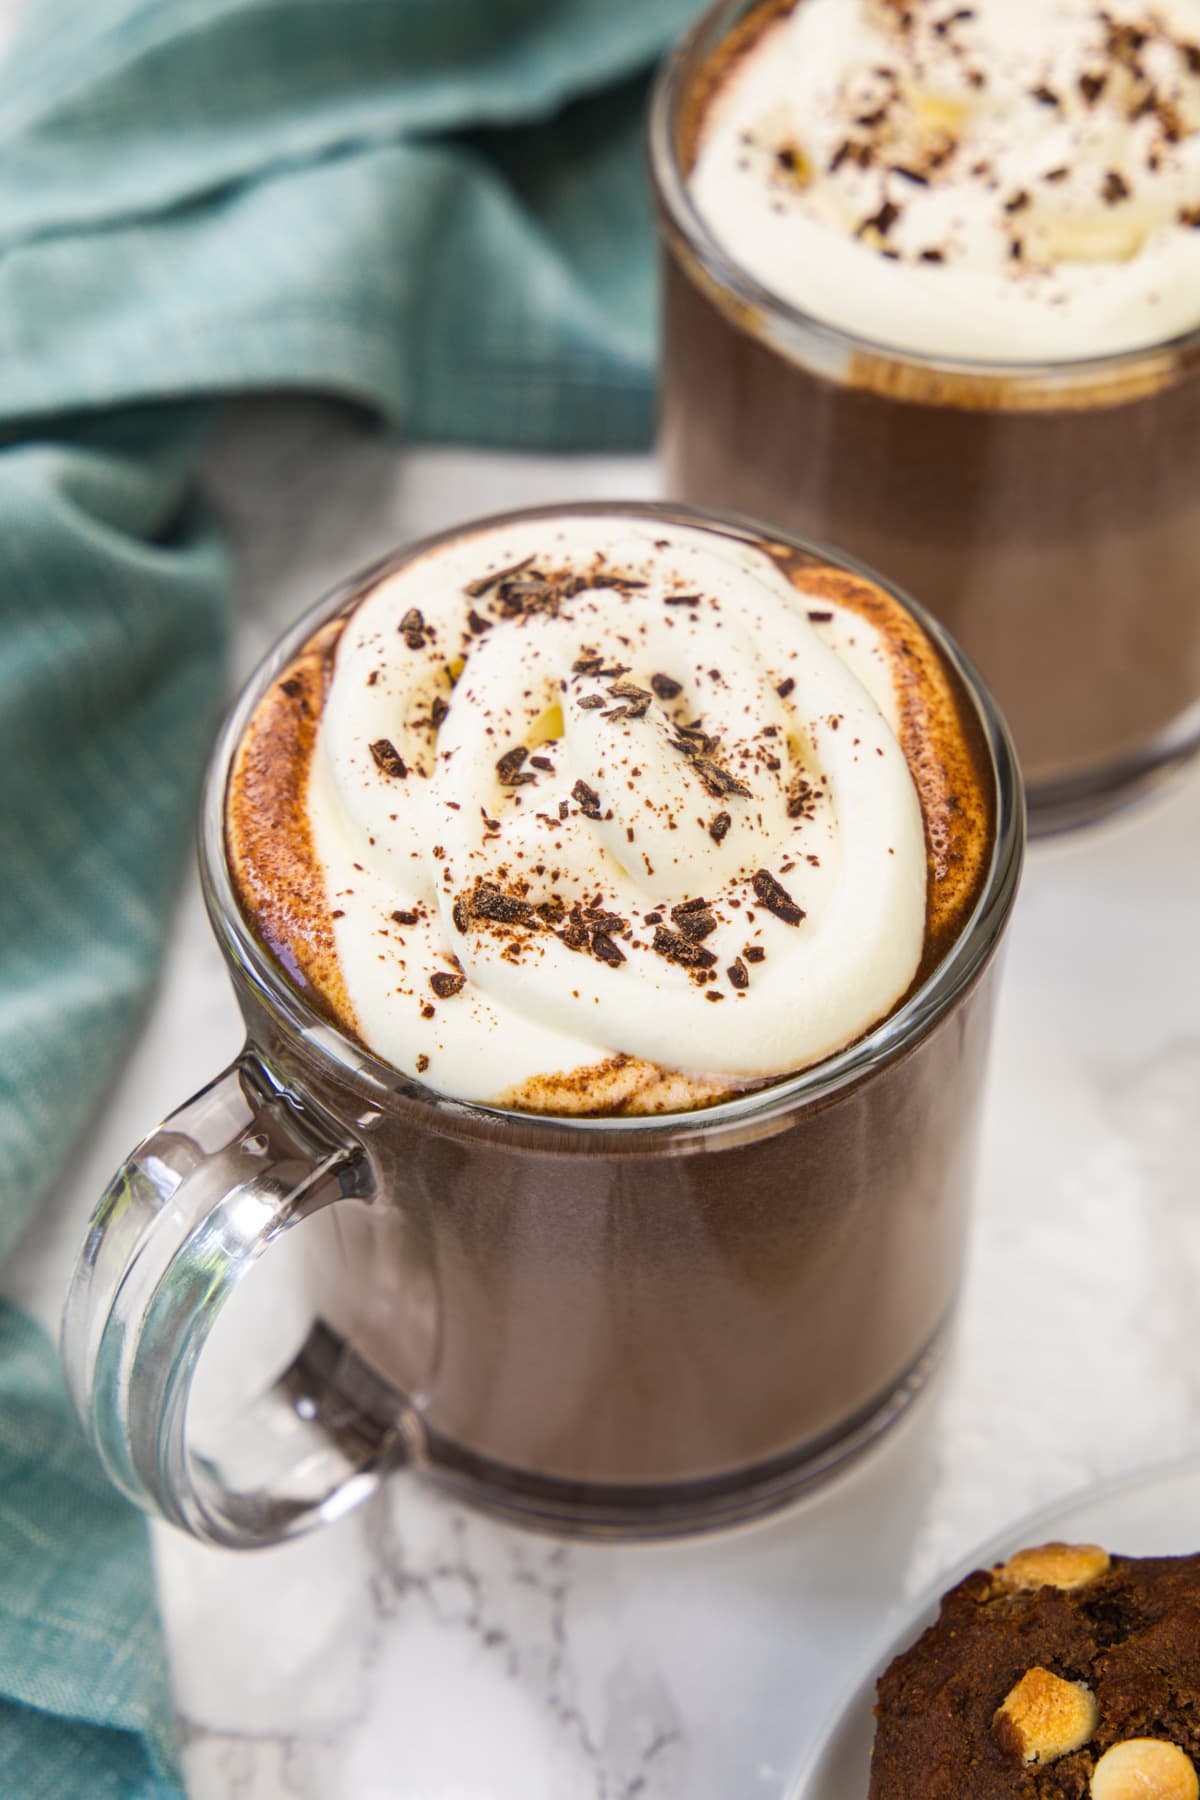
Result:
<point x="1013" y="180"/>
<point x="591" y="787"/>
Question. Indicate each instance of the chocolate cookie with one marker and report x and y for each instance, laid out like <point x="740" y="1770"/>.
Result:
<point x="1063" y="1674"/>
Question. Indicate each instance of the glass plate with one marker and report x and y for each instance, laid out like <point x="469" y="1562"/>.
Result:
<point x="1154" y="1513"/>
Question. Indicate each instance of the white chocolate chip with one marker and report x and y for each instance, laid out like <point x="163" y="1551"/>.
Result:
<point x="1045" y="1717"/>
<point x="1098" y="237"/>
<point x="1054" y="1565"/>
<point x="1145" y="1769"/>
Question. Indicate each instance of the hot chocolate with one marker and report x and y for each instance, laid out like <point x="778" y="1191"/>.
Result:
<point x="611" y="894"/>
<point x="930" y="291"/>
<point x="613" y="812"/>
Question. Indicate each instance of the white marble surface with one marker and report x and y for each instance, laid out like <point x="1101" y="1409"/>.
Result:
<point x="416" y="1652"/>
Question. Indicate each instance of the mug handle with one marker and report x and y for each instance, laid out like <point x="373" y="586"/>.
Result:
<point x="183" y="1221"/>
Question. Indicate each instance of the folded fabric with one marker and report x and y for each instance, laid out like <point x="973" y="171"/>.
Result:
<point x="82" y="1666"/>
<point x="433" y="207"/>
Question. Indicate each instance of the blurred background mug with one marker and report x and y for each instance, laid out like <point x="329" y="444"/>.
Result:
<point x="1048" y="514"/>
<point x="631" y="1325"/>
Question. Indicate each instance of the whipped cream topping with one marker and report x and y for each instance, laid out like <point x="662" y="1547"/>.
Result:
<point x="1010" y="180"/>
<point x="595" y="787"/>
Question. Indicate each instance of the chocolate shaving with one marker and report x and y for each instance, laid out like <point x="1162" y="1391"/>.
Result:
<point x="445" y="985"/>
<point x="536" y="593"/>
<point x="607" y="949"/>
<point x="476" y="625"/>
<point x="405" y="918"/>
<point x="820" y="618"/>
<point x="1124" y="41"/>
<point x="485" y="582"/>
<point x="542" y="762"/>
<point x="678" y="949"/>
<point x="946" y="25"/>
<point x="691" y="741"/>
<point x="438" y="711"/>
<point x="587" y="798"/>
<point x="850" y="150"/>
<point x="639" y="698"/>
<point x="739" y="975"/>
<point x="775" y="897"/>
<point x="1092" y="86"/>
<point x="589" y="702"/>
<point x="1115" y="188"/>
<point x="1169" y="121"/>
<point x="786" y="688"/>
<point x="607" y="921"/>
<point x="682" y="600"/>
<point x="882" y="221"/>
<point x="422" y="1063"/>
<point x="388" y="759"/>
<point x="460" y="912"/>
<point x="718" y="781"/>
<point x="508" y="767"/>
<point x="491" y="902"/>
<point x="695" y="923"/>
<point x="412" y="629"/>
<point x="1045" y="96"/>
<point x="665" y="687"/>
<point x="754" y="953"/>
<point x="718" y="829"/>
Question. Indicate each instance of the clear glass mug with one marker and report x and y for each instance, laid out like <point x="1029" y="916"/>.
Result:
<point x="1048" y="514"/>
<point x="611" y="1326"/>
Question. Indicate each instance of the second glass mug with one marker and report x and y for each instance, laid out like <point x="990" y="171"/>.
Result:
<point x="1048" y="513"/>
<point x="611" y="1326"/>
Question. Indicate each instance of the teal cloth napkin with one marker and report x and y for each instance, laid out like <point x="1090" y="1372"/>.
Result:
<point x="85" y="1705"/>
<point x="433" y="207"/>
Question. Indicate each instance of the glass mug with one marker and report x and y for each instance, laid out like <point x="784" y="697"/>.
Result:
<point x="611" y="1326"/>
<point x="1048" y="514"/>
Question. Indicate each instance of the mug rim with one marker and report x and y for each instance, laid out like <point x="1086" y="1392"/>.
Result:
<point x="252" y="964"/>
<point x="672" y="195"/>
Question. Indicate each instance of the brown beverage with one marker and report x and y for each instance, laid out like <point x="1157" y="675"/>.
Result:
<point x="654" y="870"/>
<point x="942" y="310"/>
